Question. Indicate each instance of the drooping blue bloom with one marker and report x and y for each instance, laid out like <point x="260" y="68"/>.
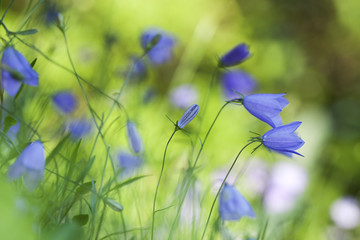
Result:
<point x="234" y="82"/>
<point x="188" y="116"/>
<point x="15" y="71"/>
<point x="233" y="205"/>
<point x="65" y="101"/>
<point x="80" y="128"/>
<point x="235" y="56"/>
<point x="184" y="96"/>
<point x="158" y="45"/>
<point x="128" y="163"/>
<point x="30" y="164"/>
<point x="134" y="138"/>
<point x="266" y="107"/>
<point x="283" y="139"/>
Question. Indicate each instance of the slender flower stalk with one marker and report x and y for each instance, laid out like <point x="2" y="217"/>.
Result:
<point x="222" y="185"/>
<point x="187" y="186"/>
<point x="186" y="118"/>
<point x="158" y="183"/>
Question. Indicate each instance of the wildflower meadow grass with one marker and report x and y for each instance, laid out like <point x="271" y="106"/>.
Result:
<point x="151" y="120"/>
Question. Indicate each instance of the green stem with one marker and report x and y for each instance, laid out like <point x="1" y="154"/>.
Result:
<point x="222" y="184"/>
<point x="193" y="168"/>
<point x="158" y="183"/>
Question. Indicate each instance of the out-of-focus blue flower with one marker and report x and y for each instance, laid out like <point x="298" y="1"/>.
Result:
<point x="65" y="101"/>
<point x="235" y="56"/>
<point x="16" y="70"/>
<point x="283" y="139"/>
<point x="13" y="131"/>
<point x="128" y="163"/>
<point x="233" y="205"/>
<point x="184" y="96"/>
<point x="234" y="82"/>
<point x="134" y="138"/>
<point x="188" y="116"/>
<point x="30" y="164"/>
<point x="80" y="128"/>
<point x="158" y="45"/>
<point x="266" y="107"/>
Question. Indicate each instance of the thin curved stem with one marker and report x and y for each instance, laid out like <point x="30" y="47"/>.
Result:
<point x="193" y="167"/>
<point x="157" y="186"/>
<point x="207" y="134"/>
<point x="222" y="184"/>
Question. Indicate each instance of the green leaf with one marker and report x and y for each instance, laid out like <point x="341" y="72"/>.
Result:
<point x="127" y="182"/>
<point x="81" y="219"/>
<point x="27" y="32"/>
<point x="84" y="189"/>
<point x="8" y="122"/>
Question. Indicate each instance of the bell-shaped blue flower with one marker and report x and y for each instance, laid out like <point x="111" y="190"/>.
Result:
<point x="80" y="128"/>
<point x="235" y="56"/>
<point x="16" y="70"/>
<point x="266" y="107"/>
<point x="65" y="101"/>
<point x="158" y="45"/>
<point x="134" y="138"/>
<point x="30" y="164"/>
<point x="283" y="139"/>
<point x="234" y="82"/>
<point x="233" y="205"/>
<point x="188" y="116"/>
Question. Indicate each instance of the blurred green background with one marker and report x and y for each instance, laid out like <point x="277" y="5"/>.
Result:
<point x="308" y="49"/>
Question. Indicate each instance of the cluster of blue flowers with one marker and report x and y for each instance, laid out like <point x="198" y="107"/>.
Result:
<point x="267" y="108"/>
<point x="157" y="46"/>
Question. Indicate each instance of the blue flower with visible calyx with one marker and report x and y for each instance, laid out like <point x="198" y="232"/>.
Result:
<point x="233" y="205"/>
<point x="283" y="139"/>
<point x="265" y="107"/>
<point x="235" y="56"/>
<point x="134" y="138"/>
<point x="158" y="45"/>
<point x="234" y="82"/>
<point x="188" y="116"/>
<point x="65" y="101"/>
<point x="15" y="70"/>
<point x="30" y="164"/>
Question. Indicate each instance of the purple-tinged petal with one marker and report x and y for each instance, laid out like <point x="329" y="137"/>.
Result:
<point x="162" y="51"/>
<point x="33" y="156"/>
<point x="184" y="96"/>
<point x="65" y="101"/>
<point x="283" y="139"/>
<point x="31" y="164"/>
<point x="134" y="138"/>
<point x="128" y="162"/>
<point x="235" y="56"/>
<point x="266" y="107"/>
<point x="233" y="205"/>
<point x="188" y="115"/>
<point x="18" y="64"/>
<point x="80" y="128"/>
<point x="234" y="82"/>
